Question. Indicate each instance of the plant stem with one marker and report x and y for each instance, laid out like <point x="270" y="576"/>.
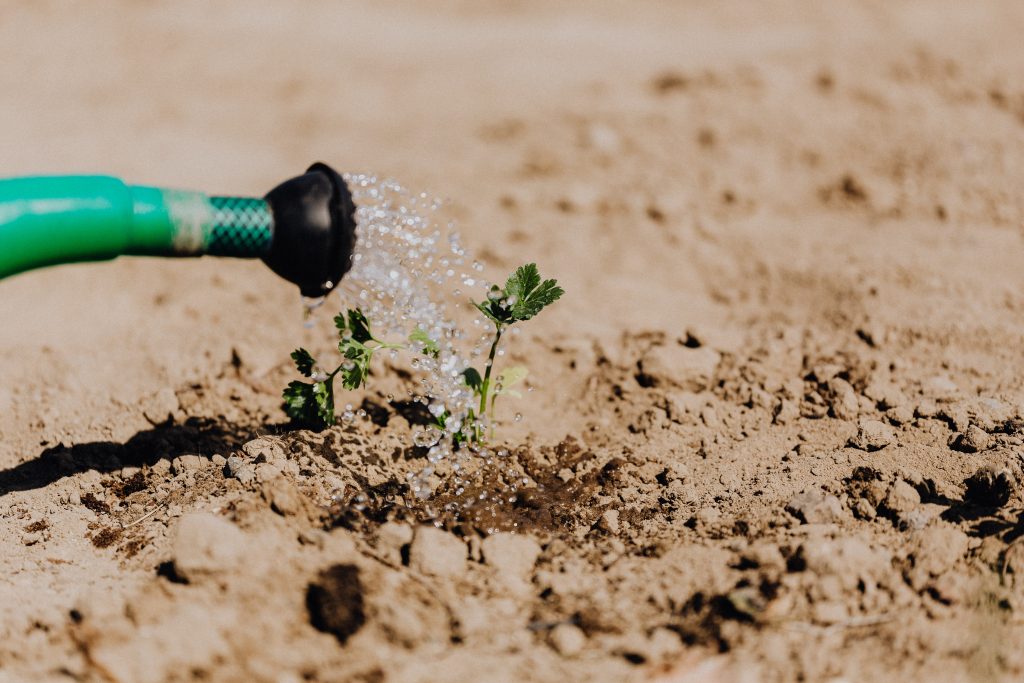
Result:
<point x="485" y="387"/>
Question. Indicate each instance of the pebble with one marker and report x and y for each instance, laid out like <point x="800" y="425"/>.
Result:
<point x="31" y="538"/>
<point x="973" y="440"/>
<point x="815" y="507"/>
<point x="391" y="538"/>
<point x="568" y="640"/>
<point x="845" y="404"/>
<point x="205" y="544"/>
<point x="938" y="548"/>
<point x="160" y="407"/>
<point x="901" y="501"/>
<point x="609" y="521"/>
<point x="513" y="554"/>
<point x="264" y="449"/>
<point x="900" y="415"/>
<point x="186" y="463"/>
<point x="241" y="470"/>
<point x="437" y="552"/>
<point x="283" y="497"/>
<point x="873" y="435"/>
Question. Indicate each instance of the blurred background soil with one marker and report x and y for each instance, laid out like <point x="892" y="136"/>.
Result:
<point x="777" y="428"/>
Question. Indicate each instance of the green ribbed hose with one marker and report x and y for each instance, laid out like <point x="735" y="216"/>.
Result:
<point x="66" y="219"/>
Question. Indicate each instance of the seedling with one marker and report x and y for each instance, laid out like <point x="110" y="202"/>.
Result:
<point x="523" y="296"/>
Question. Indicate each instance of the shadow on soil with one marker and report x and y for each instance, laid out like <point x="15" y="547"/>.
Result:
<point x="196" y="436"/>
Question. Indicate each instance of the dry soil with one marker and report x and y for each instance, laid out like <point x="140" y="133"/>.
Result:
<point x="776" y="432"/>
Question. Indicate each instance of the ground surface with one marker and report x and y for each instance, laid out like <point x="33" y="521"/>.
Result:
<point x="777" y="430"/>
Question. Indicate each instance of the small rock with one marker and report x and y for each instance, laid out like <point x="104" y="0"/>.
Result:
<point x="989" y="487"/>
<point x="218" y="460"/>
<point x="266" y="471"/>
<point x="437" y="552"/>
<point x="901" y="500"/>
<point x="951" y="588"/>
<point x="938" y="548"/>
<point x="568" y="640"/>
<point x="264" y="449"/>
<point x="815" y="507"/>
<point x="709" y="416"/>
<point x="160" y="407"/>
<point x="513" y="554"/>
<point x="391" y="538"/>
<point x="161" y="468"/>
<point x="186" y="463"/>
<point x="31" y="538"/>
<point x="680" y="366"/>
<point x="205" y="544"/>
<point x="845" y="405"/>
<point x="609" y="521"/>
<point x="900" y="415"/>
<point x="241" y="470"/>
<point x="956" y="415"/>
<point x="786" y="411"/>
<point x="681" y="404"/>
<point x="863" y="509"/>
<point x="873" y="435"/>
<point x="927" y="408"/>
<point x="284" y="497"/>
<point x="885" y="394"/>
<point x="975" y="439"/>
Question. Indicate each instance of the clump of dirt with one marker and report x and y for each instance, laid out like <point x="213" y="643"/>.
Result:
<point x="335" y="601"/>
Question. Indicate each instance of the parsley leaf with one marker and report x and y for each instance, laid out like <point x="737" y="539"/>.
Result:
<point x="359" y="326"/>
<point x="472" y="379"/>
<point x="430" y="346"/>
<point x="304" y="362"/>
<point x="309" y="403"/>
<point x="530" y="294"/>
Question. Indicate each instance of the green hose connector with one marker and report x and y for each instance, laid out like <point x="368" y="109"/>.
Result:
<point x="64" y="219"/>
<point x="303" y="229"/>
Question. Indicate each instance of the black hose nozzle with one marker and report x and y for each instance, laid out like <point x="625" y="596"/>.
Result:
<point x="314" y="230"/>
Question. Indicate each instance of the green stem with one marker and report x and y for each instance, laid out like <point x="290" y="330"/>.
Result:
<point x="486" y="386"/>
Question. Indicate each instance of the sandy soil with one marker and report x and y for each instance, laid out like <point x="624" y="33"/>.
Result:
<point x="777" y="432"/>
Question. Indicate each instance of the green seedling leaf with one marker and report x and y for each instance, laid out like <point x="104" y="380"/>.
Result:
<point x="309" y="403"/>
<point x="527" y="294"/>
<point x="357" y="356"/>
<point x="472" y="379"/>
<point x="323" y="394"/>
<point x="430" y="346"/>
<point x="304" y="362"/>
<point x="359" y="326"/>
<point x="341" y="323"/>
<point x="508" y="378"/>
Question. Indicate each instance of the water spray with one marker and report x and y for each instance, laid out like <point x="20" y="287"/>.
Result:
<point x="303" y="229"/>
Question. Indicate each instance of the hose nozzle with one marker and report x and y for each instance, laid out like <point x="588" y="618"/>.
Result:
<point x="314" y="230"/>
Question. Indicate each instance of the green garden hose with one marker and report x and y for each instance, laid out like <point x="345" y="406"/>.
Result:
<point x="303" y="229"/>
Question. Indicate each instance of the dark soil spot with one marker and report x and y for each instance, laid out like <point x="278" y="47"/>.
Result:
<point x="335" y="601"/>
<point x="90" y="501"/>
<point x="38" y="525"/>
<point x="669" y="81"/>
<point x="126" y="487"/>
<point x="106" y="537"/>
